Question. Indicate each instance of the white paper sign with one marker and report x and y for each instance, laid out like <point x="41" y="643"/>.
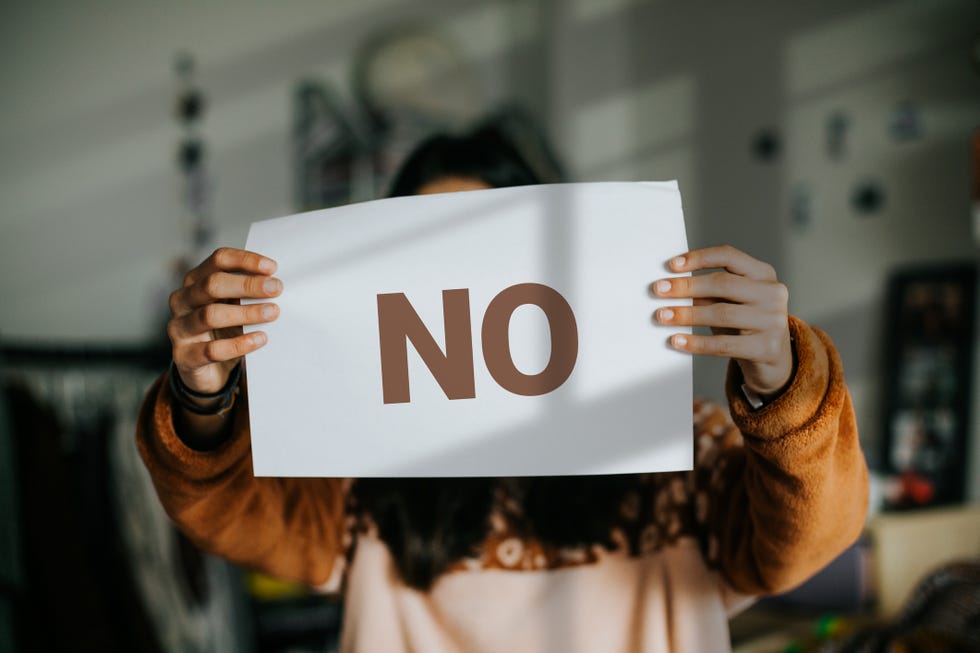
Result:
<point x="554" y="365"/>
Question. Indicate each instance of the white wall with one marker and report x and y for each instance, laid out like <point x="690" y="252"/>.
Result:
<point x="89" y="194"/>
<point x="90" y="202"/>
<point x="877" y="59"/>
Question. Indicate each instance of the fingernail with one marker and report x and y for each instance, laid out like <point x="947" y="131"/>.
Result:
<point x="679" y="261"/>
<point x="268" y="311"/>
<point x="271" y="286"/>
<point x="666" y="314"/>
<point x="267" y="265"/>
<point x="258" y="339"/>
<point x="680" y="341"/>
<point x="663" y="286"/>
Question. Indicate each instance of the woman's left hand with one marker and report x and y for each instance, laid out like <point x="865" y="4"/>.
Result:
<point x="744" y="304"/>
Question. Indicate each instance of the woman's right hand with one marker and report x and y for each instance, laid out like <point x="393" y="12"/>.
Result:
<point x="206" y="325"/>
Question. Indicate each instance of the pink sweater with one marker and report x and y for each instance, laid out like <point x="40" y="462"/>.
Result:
<point x="776" y="493"/>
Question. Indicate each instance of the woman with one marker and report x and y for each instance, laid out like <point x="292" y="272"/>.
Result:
<point x="622" y="563"/>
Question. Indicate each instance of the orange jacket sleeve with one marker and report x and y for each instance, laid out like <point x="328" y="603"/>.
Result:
<point x="291" y="528"/>
<point x="795" y="494"/>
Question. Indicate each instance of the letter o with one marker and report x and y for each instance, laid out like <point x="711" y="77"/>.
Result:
<point x="496" y="339"/>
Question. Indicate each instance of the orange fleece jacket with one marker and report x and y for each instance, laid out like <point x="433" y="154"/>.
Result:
<point x="773" y="497"/>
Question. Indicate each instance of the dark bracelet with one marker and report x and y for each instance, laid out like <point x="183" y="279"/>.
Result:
<point x="225" y="395"/>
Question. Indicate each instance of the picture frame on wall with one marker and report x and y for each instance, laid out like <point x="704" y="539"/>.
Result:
<point x="929" y="348"/>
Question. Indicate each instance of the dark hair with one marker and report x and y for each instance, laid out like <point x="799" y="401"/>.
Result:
<point x="430" y="523"/>
<point x="484" y="154"/>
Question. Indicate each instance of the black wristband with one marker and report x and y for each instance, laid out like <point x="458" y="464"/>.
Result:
<point x="226" y="395"/>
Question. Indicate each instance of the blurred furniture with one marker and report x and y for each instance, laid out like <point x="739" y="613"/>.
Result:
<point x="907" y="546"/>
<point x="924" y="579"/>
<point x="98" y="565"/>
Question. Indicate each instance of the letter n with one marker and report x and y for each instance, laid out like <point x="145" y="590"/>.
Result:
<point x="398" y="323"/>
